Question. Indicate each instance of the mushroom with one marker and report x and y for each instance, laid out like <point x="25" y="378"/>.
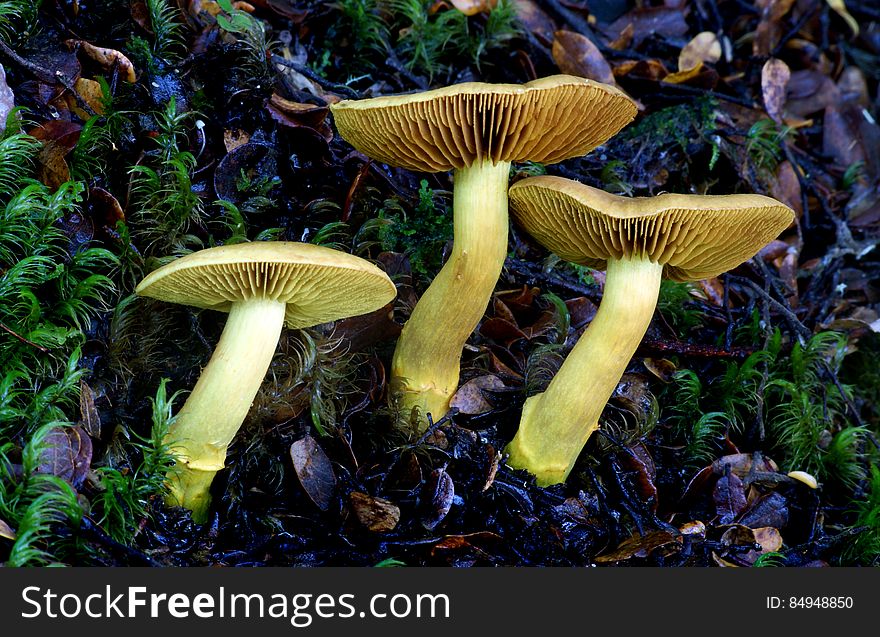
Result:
<point x="477" y="130"/>
<point x="637" y="241"/>
<point x="263" y="286"/>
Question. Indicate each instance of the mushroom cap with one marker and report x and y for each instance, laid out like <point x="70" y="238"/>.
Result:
<point x="318" y="284"/>
<point x="547" y="120"/>
<point x="693" y="236"/>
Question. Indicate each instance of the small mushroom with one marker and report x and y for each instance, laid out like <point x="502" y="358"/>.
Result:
<point x="477" y="130"/>
<point x="263" y="286"/>
<point x="637" y="241"/>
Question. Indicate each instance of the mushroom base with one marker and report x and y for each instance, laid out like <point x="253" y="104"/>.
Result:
<point x="557" y="423"/>
<point x="222" y="397"/>
<point x="425" y="368"/>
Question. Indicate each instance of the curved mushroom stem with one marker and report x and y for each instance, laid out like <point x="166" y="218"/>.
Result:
<point x="557" y="423"/>
<point x="426" y="361"/>
<point x="222" y="397"/>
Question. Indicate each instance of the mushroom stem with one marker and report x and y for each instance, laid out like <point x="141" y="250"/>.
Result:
<point x="222" y="397"/>
<point x="426" y="361"/>
<point x="557" y="423"/>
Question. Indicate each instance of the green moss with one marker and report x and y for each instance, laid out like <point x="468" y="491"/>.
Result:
<point x="422" y="233"/>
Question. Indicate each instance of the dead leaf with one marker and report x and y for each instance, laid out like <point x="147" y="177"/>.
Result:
<point x="473" y="7"/>
<point x="768" y="510"/>
<point x="376" y="514"/>
<point x="89" y="418"/>
<point x="575" y="54"/>
<point x="638" y="546"/>
<point x="107" y="58"/>
<point x="296" y="115"/>
<point x="769" y="538"/>
<point x="494" y="463"/>
<point x="730" y="498"/>
<point x="704" y="47"/>
<point x="533" y="18"/>
<point x="67" y="454"/>
<point x="52" y="168"/>
<point x="647" y="21"/>
<point x="235" y="137"/>
<point x="7" y="531"/>
<point x="470" y="398"/>
<point x="662" y="368"/>
<point x="810" y="92"/>
<point x="774" y="81"/>
<point x="360" y="332"/>
<point x="314" y="470"/>
<point x="769" y="29"/>
<point x="441" y="493"/>
<point x="787" y="188"/>
<point x="7" y="99"/>
<point x="91" y="93"/>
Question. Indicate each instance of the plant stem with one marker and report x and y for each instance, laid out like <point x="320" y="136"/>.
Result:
<point x="221" y="399"/>
<point x="426" y="362"/>
<point x="556" y="424"/>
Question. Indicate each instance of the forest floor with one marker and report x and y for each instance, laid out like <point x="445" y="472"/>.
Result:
<point x="137" y="131"/>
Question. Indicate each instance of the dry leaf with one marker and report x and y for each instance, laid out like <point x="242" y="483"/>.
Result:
<point x="473" y="7"/>
<point x="441" y="492"/>
<point x="376" y="514"/>
<point x="235" y="137"/>
<point x="638" y="546"/>
<point x="314" y="470"/>
<point x="107" y="58"/>
<point x="88" y="414"/>
<point x="52" y="168"/>
<point x="576" y="55"/>
<point x="534" y="19"/>
<point x="774" y="82"/>
<point x="91" y="93"/>
<point x="67" y="454"/>
<point x="705" y="47"/>
<point x="470" y="398"/>
<point x="769" y="538"/>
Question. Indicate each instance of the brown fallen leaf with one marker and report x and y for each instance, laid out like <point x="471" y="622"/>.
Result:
<point x="704" y="47"/>
<point x="534" y="19"/>
<point x="107" y="58"/>
<point x="769" y="538"/>
<point x="662" y="368"/>
<point x="638" y="546"/>
<point x="470" y="398"/>
<point x="52" y="168"/>
<point x="314" y="470"/>
<point x="665" y="21"/>
<point x="774" y="81"/>
<point x="787" y="188"/>
<point x="440" y="491"/>
<point x="473" y="7"/>
<point x="575" y="54"/>
<point x="769" y="29"/>
<point x="67" y="454"/>
<point x="235" y="137"/>
<point x="730" y="498"/>
<point x="376" y="514"/>
<point x="88" y="414"/>
<point x="91" y="93"/>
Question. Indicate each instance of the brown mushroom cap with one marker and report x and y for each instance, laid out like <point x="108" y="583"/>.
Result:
<point x="547" y="120"/>
<point x="693" y="236"/>
<point x="317" y="283"/>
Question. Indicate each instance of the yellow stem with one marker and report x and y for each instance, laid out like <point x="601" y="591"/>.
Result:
<point x="426" y="362"/>
<point x="556" y="424"/>
<point x="222" y="397"/>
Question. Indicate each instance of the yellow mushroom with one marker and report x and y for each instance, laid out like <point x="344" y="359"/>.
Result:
<point x="477" y="130"/>
<point x="637" y="241"/>
<point x="263" y="286"/>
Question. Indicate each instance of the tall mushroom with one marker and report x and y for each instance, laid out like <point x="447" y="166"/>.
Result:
<point x="477" y="130"/>
<point x="637" y="241"/>
<point x="263" y="286"/>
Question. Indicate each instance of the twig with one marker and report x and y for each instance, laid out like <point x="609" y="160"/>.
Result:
<point x="802" y="330"/>
<point x="323" y="82"/>
<point x="535" y="274"/>
<point x="92" y="530"/>
<point x="694" y="349"/>
<point x="23" y="339"/>
<point x="44" y="75"/>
